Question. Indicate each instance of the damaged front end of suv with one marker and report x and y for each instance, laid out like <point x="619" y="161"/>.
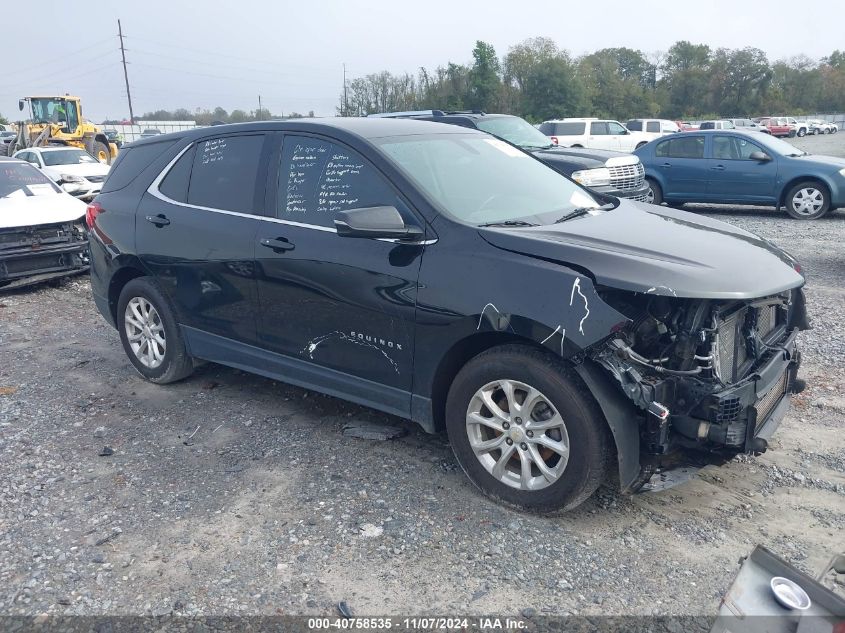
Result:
<point x="710" y="377"/>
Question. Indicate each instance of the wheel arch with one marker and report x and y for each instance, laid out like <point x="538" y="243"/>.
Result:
<point x="121" y="277"/>
<point x="458" y="355"/>
<point x="794" y="181"/>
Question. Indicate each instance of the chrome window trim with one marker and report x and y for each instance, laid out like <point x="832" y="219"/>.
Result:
<point x="154" y="191"/>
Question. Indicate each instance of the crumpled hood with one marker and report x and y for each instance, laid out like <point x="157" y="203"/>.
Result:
<point x="23" y="210"/>
<point x="650" y="249"/>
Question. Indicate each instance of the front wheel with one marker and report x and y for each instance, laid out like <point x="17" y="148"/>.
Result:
<point x="101" y="152"/>
<point x="802" y="132"/>
<point x="525" y="430"/>
<point x="807" y="200"/>
<point x="150" y="334"/>
<point x="654" y="195"/>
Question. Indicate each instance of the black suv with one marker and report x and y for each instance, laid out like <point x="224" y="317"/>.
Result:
<point x="443" y="275"/>
<point x="610" y="173"/>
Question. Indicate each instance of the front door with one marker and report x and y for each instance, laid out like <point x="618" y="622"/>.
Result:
<point x="734" y="175"/>
<point x="195" y="232"/>
<point x="343" y="306"/>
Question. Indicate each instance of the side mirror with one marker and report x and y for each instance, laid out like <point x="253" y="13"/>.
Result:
<point x="20" y="105"/>
<point x="375" y="222"/>
<point x="760" y="156"/>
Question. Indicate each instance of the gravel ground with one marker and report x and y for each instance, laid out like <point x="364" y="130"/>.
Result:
<point x="231" y="494"/>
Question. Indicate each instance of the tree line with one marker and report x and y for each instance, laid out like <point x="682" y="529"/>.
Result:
<point x="204" y="116"/>
<point x="538" y="80"/>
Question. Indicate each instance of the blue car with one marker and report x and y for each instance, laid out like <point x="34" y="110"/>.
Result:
<point x="734" y="167"/>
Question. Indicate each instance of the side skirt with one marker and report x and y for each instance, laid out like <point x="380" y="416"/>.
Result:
<point x="294" y="371"/>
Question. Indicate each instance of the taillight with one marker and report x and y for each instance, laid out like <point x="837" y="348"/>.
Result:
<point x="554" y="140"/>
<point x="91" y="213"/>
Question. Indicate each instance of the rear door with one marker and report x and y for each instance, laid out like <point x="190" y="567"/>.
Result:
<point x="343" y="307"/>
<point x="195" y="232"/>
<point x="734" y="176"/>
<point x="679" y="160"/>
<point x="599" y="137"/>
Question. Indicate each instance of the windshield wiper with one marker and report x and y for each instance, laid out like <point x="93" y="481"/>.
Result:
<point x="509" y="223"/>
<point x="577" y="213"/>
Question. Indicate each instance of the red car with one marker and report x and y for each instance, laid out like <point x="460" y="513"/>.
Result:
<point x="778" y="126"/>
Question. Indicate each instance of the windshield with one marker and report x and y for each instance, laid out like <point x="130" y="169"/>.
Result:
<point x="482" y="180"/>
<point x="60" y="111"/>
<point x="21" y="179"/>
<point x="67" y="157"/>
<point x="779" y="146"/>
<point x="515" y="130"/>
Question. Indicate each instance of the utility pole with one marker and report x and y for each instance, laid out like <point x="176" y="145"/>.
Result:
<point x="125" y="74"/>
<point x="259" y="106"/>
<point x="345" y="104"/>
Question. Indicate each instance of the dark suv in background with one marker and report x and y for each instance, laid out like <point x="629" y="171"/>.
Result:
<point x="610" y="173"/>
<point x="443" y="275"/>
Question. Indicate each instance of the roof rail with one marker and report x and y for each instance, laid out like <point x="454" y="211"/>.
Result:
<point x="408" y="113"/>
<point x="464" y="112"/>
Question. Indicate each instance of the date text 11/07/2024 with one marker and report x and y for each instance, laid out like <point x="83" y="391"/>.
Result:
<point x="418" y="623"/>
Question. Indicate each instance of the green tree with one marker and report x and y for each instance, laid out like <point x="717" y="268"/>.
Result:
<point x="686" y="75"/>
<point x="552" y="90"/>
<point x="484" y="81"/>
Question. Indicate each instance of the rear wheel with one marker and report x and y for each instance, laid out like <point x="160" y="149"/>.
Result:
<point x="654" y="195"/>
<point x="101" y="152"/>
<point x="639" y="145"/>
<point x="526" y="431"/>
<point x="807" y="200"/>
<point x="150" y="334"/>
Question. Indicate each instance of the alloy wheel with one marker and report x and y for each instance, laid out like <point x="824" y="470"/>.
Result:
<point x="808" y="201"/>
<point x="145" y="332"/>
<point x="517" y="434"/>
<point x="649" y="195"/>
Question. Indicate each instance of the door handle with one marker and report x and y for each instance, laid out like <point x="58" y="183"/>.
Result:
<point x="159" y="220"/>
<point x="278" y="244"/>
<point x="719" y="168"/>
<point x="666" y="165"/>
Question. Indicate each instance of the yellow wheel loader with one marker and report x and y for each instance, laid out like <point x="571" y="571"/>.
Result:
<point x="58" y="121"/>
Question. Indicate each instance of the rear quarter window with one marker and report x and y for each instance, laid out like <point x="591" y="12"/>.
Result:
<point x="573" y="128"/>
<point x="131" y="161"/>
<point x="634" y="126"/>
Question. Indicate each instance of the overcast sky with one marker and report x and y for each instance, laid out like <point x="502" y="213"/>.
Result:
<point x="204" y="54"/>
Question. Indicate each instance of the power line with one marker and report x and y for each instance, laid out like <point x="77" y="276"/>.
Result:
<point x="214" y="64"/>
<point x="206" y="53"/>
<point x="224" y="77"/>
<point x="52" y="61"/>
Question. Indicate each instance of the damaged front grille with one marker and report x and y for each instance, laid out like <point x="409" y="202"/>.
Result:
<point x="768" y="402"/>
<point x="627" y="177"/>
<point x="742" y="338"/>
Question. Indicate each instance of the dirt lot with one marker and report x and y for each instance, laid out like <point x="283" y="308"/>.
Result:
<point x="232" y="494"/>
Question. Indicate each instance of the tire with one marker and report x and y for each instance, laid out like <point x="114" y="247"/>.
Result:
<point x="101" y="152"/>
<point x="175" y="363"/>
<point x="807" y="200"/>
<point x="571" y="475"/>
<point x="639" y="145"/>
<point x="576" y="145"/>
<point x="655" y="193"/>
<point x="802" y="132"/>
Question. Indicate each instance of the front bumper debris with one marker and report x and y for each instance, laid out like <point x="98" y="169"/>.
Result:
<point x="34" y="254"/>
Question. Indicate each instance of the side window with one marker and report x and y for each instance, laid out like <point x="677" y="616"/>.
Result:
<point x="724" y="148"/>
<point x="681" y="147"/>
<point x="615" y="128"/>
<point x="635" y="126"/>
<point x="175" y="183"/>
<point x="598" y="129"/>
<point x="318" y="178"/>
<point x="652" y="126"/>
<point x="224" y="173"/>
<point x="547" y="128"/>
<point x="745" y="148"/>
